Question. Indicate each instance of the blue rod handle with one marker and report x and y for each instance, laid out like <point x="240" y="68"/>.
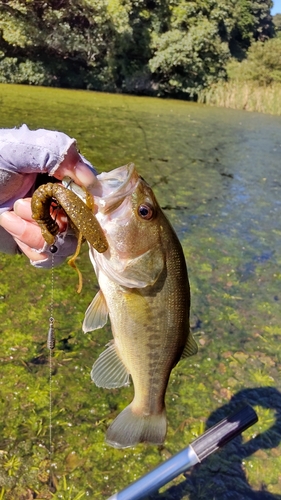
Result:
<point x="214" y="438"/>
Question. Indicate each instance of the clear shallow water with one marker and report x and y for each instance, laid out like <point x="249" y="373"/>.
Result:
<point x="216" y="172"/>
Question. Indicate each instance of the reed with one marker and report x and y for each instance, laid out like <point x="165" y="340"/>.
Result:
<point x="244" y="95"/>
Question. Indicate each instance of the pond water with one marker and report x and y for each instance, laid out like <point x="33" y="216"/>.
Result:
<point x="216" y="173"/>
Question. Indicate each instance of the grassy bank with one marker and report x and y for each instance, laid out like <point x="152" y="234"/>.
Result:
<point x="244" y="95"/>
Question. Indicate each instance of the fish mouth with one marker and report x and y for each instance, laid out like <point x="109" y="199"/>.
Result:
<point x="113" y="187"/>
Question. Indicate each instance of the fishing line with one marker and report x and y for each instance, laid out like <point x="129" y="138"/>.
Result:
<point x="51" y="345"/>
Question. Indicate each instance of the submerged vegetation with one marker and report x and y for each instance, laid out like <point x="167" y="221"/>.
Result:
<point x="217" y="173"/>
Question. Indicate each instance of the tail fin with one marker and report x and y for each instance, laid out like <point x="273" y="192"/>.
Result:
<point x="129" y="429"/>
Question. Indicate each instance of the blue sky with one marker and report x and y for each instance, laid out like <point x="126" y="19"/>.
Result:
<point x="277" y="7"/>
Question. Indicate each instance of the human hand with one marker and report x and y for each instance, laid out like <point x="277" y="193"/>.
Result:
<point x="24" y="230"/>
<point x="74" y="167"/>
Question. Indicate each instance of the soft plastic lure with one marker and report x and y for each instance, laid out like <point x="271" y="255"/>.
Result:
<point x="78" y="211"/>
<point x="80" y="215"/>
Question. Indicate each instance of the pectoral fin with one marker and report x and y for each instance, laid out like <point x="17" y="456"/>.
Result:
<point x="190" y="347"/>
<point x="139" y="272"/>
<point x="143" y="270"/>
<point x="96" y="314"/>
<point x="109" y="371"/>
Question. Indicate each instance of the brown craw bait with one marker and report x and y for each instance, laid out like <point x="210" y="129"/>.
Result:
<point x="78" y="212"/>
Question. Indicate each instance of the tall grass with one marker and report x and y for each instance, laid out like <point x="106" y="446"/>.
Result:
<point x="244" y="95"/>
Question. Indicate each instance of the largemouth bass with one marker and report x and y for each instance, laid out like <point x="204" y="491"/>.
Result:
<point x="144" y="290"/>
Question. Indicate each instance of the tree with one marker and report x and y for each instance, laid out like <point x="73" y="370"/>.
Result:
<point x="192" y="52"/>
<point x="264" y="61"/>
<point x="253" y="22"/>
<point x="262" y="65"/>
<point x="163" y="47"/>
<point x="130" y="46"/>
<point x="277" y="24"/>
<point x="263" y="24"/>
<point x="68" y="39"/>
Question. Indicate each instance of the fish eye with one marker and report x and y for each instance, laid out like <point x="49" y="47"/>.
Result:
<point x="146" y="212"/>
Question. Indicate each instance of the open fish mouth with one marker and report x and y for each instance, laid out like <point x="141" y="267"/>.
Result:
<point x="113" y="187"/>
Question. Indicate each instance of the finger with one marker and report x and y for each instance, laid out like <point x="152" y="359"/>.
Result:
<point x="28" y="233"/>
<point x="74" y="166"/>
<point x="22" y="208"/>
<point x="29" y="252"/>
<point x="80" y="173"/>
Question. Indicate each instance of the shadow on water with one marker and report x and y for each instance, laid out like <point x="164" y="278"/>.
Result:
<point x="221" y="476"/>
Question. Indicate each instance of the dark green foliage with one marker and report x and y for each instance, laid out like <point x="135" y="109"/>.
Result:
<point x="154" y="47"/>
<point x="277" y="24"/>
<point x="252" y="22"/>
<point x="192" y="53"/>
<point x="263" y="63"/>
<point x="263" y="27"/>
<point x="67" y="38"/>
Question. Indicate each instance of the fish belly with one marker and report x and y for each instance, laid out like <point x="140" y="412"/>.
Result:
<point x="149" y="343"/>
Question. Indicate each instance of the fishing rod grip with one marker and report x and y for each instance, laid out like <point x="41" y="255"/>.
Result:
<point x="214" y="438"/>
<point x="223" y="432"/>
